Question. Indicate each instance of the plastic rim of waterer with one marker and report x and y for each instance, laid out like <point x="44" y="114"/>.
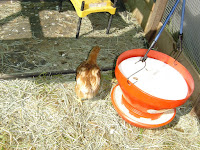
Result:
<point x="136" y="106"/>
<point x="133" y="119"/>
<point x="136" y="96"/>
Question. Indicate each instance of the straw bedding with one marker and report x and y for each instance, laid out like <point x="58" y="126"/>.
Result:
<point x="42" y="112"/>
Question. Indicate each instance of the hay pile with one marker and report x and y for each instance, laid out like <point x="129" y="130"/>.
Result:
<point x="43" y="113"/>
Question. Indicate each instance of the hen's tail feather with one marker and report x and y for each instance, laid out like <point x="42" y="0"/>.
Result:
<point x="92" y="58"/>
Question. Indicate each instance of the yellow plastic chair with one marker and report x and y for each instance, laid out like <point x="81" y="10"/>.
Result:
<point x="86" y="7"/>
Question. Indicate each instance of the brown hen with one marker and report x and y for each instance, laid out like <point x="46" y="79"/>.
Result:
<point x="88" y="76"/>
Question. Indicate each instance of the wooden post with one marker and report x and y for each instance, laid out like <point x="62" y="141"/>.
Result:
<point x="154" y="19"/>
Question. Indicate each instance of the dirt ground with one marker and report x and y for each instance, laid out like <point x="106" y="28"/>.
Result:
<point x="42" y="112"/>
<point x="35" y="37"/>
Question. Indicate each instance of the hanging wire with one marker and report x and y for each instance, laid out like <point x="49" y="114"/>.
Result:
<point x="180" y="40"/>
<point x="161" y="29"/>
<point x="143" y="59"/>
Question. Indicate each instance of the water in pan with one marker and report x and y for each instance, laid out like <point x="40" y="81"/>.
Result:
<point x="157" y="78"/>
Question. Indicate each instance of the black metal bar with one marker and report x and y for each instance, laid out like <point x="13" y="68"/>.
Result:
<point x="110" y="20"/>
<point x="40" y="74"/>
<point x="109" y="24"/>
<point x="60" y="5"/>
<point x="78" y="27"/>
<point x="80" y="20"/>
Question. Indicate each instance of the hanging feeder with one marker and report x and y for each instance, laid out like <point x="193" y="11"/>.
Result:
<point x="145" y="97"/>
<point x="140" y="108"/>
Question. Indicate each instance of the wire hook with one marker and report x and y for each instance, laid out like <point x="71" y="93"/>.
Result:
<point x="135" y="72"/>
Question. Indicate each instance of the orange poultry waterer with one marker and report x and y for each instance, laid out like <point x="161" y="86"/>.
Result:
<point x="140" y="108"/>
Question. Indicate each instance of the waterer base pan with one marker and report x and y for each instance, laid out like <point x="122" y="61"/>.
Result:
<point x="141" y="122"/>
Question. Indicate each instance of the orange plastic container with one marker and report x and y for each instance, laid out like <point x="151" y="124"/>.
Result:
<point x="136" y="117"/>
<point x="139" y="101"/>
